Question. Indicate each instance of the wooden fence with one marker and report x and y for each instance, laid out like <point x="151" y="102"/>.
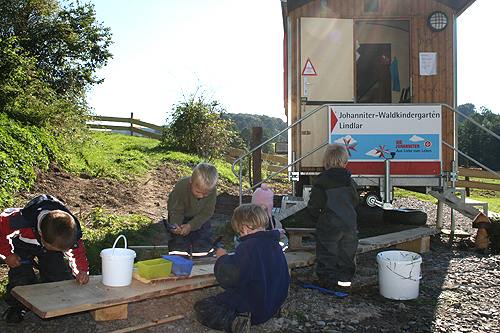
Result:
<point x="232" y="153"/>
<point x="279" y="161"/>
<point x="475" y="173"/>
<point x="133" y="129"/>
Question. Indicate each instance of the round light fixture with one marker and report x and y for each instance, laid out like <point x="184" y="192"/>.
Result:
<point x="437" y="21"/>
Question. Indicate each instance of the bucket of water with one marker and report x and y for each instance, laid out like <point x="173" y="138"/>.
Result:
<point x="399" y="274"/>
<point x="117" y="265"/>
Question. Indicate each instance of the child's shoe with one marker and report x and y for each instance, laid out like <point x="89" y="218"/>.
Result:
<point x="241" y="324"/>
<point x="325" y="285"/>
<point x="15" y="314"/>
<point x="287" y="310"/>
<point x="344" y="287"/>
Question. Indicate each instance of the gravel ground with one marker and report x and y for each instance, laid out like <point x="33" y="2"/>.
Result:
<point x="458" y="292"/>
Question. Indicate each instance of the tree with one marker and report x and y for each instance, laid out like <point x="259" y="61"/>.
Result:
<point x="67" y="42"/>
<point x="196" y="127"/>
<point x="477" y="143"/>
<point x="467" y="109"/>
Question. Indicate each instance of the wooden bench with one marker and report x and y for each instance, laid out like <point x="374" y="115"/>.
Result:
<point x="415" y="240"/>
<point x="108" y="303"/>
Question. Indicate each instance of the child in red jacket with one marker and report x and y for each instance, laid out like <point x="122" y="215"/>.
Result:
<point x="44" y="230"/>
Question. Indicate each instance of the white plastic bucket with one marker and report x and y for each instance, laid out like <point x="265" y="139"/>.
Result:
<point x="399" y="274"/>
<point x="117" y="265"/>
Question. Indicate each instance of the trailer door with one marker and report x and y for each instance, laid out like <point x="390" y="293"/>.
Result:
<point x="326" y="76"/>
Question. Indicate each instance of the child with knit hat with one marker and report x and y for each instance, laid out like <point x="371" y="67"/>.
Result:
<point x="264" y="196"/>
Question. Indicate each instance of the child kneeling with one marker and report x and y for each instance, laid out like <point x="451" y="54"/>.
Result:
<point x="256" y="276"/>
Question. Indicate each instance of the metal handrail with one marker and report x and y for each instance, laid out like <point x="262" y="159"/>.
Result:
<point x="471" y="159"/>
<point x="473" y="121"/>
<point x="240" y="159"/>
<point x="478" y="125"/>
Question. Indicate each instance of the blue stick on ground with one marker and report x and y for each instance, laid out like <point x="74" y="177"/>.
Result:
<point x="307" y="285"/>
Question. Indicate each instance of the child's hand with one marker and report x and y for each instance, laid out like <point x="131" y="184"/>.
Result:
<point x="220" y="252"/>
<point x="183" y="230"/>
<point x="13" y="260"/>
<point x="82" y="277"/>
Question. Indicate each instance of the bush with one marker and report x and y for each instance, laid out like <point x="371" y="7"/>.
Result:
<point x="22" y="150"/>
<point x="196" y="127"/>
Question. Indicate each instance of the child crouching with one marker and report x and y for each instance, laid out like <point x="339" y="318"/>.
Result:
<point x="256" y="276"/>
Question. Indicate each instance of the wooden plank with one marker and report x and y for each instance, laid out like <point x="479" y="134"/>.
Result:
<point x="302" y="232"/>
<point x="387" y="240"/>
<point x="268" y="157"/>
<point x="420" y="245"/>
<point x="275" y="168"/>
<point x="295" y="237"/>
<point x="110" y="313"/>
<point x="127" y="128"/>
<point x="61" y="298"/>
<point x="300" y="259"/>
<point x="478" y="185"/>
<point x="365" y="244"/>
<point x="65" y="297"/>
<point x="150" y="324"/>
<point x="129" y="120"/>
<point x="465" y="172"/>
<point x="111" y="127"/>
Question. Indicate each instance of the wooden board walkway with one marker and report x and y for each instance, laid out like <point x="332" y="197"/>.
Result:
<point x="106" y="303"/>
<point x="415" y="240"/>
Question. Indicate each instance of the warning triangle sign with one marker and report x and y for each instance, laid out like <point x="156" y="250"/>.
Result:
<point x="309" y="68"/>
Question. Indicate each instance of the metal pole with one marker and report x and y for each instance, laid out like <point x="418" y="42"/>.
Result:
<point x="241" y="181"/>
<point x="294" y="183"/>
<point x="453" y="222"/>
<point x="439" y="217"/>
<point x="131" y="124"/>
<point x="256" y="155"/>
<point x="387" y="195"/>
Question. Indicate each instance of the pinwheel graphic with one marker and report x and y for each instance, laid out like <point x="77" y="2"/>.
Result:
<point x="380" y="152"/>
<point x="350" y="144"/>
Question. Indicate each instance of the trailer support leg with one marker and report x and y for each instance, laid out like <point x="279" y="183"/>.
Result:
<point x="439" y="217"/>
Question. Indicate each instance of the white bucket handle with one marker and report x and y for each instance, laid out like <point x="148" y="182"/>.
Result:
<point x="116" y="240"/>
<point x="404" y="277"/>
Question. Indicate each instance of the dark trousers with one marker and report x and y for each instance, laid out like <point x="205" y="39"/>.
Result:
<point x="336" y="251"/>
<point x="195" y="242"/>
<point x="51" y="265"/>
<point x="211" y="313"/>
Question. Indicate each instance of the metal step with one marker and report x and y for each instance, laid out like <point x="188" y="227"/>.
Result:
<point x="288" y="201"/>
<point x="289" y="206"/>
<point x="459" y="203"/>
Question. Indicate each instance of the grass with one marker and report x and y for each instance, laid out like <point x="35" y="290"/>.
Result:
<point x="100" y="232"/>
<point x="121" y="157"/>
<point x="400" y="193"/>
<point x="490" y="197"/>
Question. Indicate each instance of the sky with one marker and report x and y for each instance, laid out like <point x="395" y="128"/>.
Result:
<point x="165" y="49"/>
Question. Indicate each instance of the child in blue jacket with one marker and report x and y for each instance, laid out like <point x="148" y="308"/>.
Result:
<point x="256" y="276"/>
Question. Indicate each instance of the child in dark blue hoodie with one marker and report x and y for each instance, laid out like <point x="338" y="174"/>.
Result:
<point x="333" y="201"/>
<point x="256" y="276"/>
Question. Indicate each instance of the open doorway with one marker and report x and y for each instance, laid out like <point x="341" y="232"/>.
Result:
<point x="382" y="60"/>
<point x="373" y="74"/>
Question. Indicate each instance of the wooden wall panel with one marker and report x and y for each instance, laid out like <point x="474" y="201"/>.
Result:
<point x="425" y="89"/>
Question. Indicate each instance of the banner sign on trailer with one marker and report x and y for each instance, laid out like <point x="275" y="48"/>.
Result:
<point x="372" y="133"/>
